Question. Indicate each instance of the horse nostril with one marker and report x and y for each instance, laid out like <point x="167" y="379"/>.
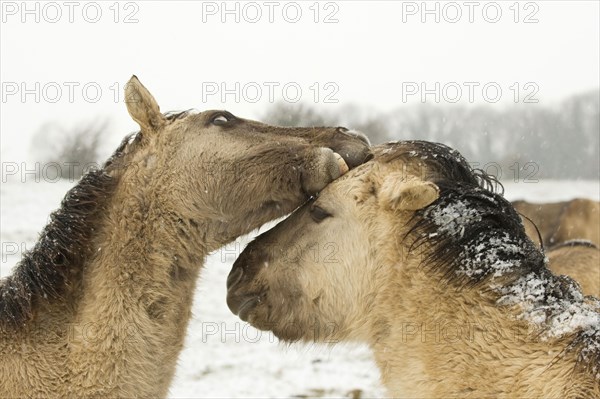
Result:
<point x="342" y="129"/>
<point x="234" y="276"/>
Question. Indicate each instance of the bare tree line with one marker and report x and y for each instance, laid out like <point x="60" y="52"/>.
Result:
<point x="73" y="151"/>
<point x="525" y="141"/>
<point x="522" y="142"/>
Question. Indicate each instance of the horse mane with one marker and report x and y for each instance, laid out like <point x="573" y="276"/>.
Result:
<point x="438" y="161"/>
<point x="53" y="267"/>
<point x="474" y="239"/>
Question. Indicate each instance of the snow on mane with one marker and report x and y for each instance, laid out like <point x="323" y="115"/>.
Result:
<point x="476" y="237"/>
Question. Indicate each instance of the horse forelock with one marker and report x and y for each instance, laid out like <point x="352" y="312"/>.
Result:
<point x="439" y="162"/>
<point x="474" y="239"/>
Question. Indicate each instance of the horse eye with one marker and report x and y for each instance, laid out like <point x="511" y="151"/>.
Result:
<point x="319" y="214"/>
<point x="220" y="120"/>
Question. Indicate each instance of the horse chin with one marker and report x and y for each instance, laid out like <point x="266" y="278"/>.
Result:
<point x="288" y="334"/>
<point x="241" y="304"/>
<point x="256" y="314"/>
<point x="246" y="308"/>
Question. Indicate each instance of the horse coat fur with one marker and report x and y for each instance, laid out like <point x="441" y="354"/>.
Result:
<point x="99" y="307"/>
<point x="434" y="271"/>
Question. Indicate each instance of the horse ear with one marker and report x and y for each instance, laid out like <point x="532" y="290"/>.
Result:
<point x="142" y="106"/>
<point x="407" y="194"/>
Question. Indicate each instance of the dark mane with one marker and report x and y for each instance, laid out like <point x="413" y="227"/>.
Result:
<point x="52" y="268"/>
<point x="474" y="239"/>
<point x="468" y="220"/>
<point x="439" y="162"/>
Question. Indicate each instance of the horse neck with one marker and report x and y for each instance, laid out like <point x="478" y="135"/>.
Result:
<point x="137" y="293"/>
<point x="442" y="342"/>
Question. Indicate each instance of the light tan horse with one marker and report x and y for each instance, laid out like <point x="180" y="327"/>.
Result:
<point x="579" y="260"/>
<point x="99" y="307"/>
<point x="577" y="219"/>
<point x="413" y="254"/>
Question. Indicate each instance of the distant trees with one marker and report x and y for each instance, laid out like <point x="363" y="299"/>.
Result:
<point x="68" y="153"/>
<point x="351" y="116"/>
<point x="522" y="142"/>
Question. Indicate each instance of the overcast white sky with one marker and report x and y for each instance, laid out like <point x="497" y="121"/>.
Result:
<point x="373" y="55"/>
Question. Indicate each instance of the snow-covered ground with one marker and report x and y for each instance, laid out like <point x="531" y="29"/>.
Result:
<point x="223" y="356"/>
